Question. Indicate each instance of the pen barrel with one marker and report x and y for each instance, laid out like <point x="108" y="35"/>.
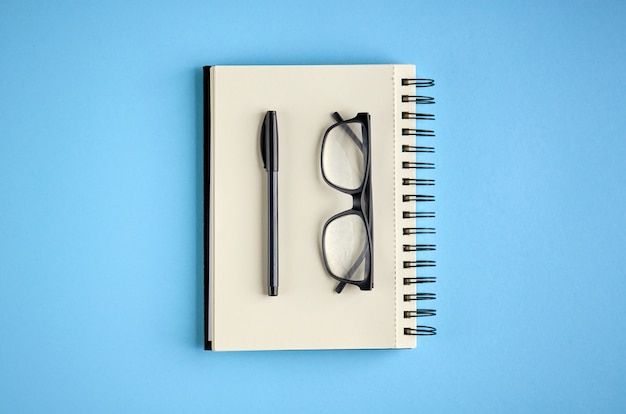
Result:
<point x="272" y="242"/>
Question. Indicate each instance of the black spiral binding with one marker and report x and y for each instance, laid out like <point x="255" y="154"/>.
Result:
<point x="418" y="265"/>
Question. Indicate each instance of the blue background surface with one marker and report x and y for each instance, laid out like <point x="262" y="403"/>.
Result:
<point x="100" y="206"/>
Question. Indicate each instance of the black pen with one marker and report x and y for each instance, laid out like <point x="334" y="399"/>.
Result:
<point x="269" y="153"/>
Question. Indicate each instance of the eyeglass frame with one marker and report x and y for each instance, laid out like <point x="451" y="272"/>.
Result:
<point x="364" y="190"/>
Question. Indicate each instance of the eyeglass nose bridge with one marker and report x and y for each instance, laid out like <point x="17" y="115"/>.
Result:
<point x="357" y="201"/>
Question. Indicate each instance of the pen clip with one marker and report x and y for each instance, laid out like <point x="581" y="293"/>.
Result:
<point x="269" y="142"/>
<point x="264" y="141"/>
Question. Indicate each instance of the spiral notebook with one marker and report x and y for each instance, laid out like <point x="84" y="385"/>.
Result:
<point x="308" y="313"/>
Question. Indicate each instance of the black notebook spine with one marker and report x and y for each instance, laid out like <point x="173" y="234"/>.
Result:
<point x="419" y="216"/>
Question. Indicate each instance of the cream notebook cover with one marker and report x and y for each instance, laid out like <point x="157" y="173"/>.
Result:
<point x="308" y="313"/>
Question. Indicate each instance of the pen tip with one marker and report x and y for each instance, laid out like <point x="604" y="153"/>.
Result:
<point x="273" y="290"/>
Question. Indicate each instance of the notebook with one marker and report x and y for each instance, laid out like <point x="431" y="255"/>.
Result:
<point x="308" y="313"/>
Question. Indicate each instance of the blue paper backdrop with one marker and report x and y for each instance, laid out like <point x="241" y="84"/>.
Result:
<point x="100" y="206"/>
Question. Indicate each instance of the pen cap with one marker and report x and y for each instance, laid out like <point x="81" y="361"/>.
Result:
<point x="269" y="140"/>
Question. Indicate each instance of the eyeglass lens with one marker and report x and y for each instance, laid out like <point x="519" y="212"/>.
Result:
<point x="347" y="247"/>
<point x="344" y="156"/>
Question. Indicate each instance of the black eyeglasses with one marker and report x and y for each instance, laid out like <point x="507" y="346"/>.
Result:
<point x="347" y="236"/>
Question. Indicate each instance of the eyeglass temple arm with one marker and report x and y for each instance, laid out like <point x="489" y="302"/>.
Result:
<point x="353" y="269"/>
<point x="348" y="131"/>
